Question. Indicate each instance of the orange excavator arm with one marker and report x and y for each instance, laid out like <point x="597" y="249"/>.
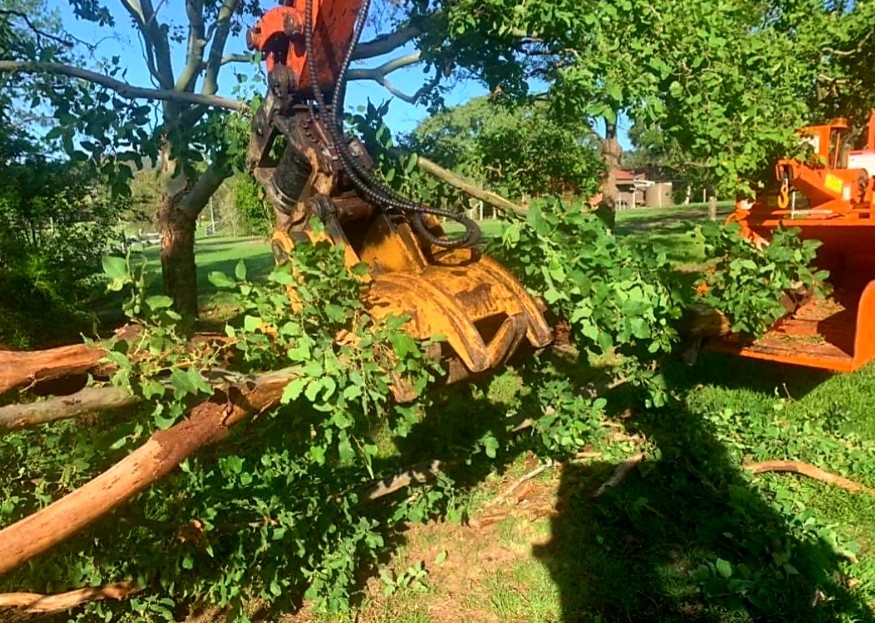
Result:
<point x="280" y="36"/>
<point x="310" y="169"/>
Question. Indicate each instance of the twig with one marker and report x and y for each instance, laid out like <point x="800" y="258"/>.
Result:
<point x="509" y="491"/>
<point x="620" y="473"/>
<point x="806" y="469"/>
<point x="35" y="603"/>
<point x="35" y="29"/>
<point x="416" y="474"/>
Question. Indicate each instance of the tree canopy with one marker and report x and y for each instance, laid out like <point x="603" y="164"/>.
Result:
<point x="515" y="149"/>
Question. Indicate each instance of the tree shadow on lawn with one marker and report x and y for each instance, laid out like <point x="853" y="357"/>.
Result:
<point x="688" y="537"/>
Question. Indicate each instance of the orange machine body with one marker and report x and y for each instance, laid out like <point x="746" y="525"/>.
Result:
<point x="832" y="200"/>
<point x="279" y="35"/>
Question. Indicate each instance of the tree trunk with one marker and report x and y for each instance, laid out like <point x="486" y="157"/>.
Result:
<point x="177" y="255"/>
<point x="611" y="154"/>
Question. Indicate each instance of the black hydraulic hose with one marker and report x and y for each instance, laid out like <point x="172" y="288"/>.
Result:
<point x="373" y="191"/>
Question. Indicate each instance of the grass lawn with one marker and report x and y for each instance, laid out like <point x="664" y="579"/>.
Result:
<point x="217" y="254"/>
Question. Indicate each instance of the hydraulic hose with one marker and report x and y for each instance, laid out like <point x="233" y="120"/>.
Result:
<point x="371" y="189"/>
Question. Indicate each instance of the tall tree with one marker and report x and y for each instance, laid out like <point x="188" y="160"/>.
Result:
<point x="189" y="142"/>
<point x="726" y="84"/>
<point x="519" y="149"/>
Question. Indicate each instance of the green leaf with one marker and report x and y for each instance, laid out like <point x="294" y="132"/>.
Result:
<point x="159" y="301"/>
<point x="152" y="389"/>
<point x="221" y="280"/>
<point x="345" y="449"/>
<point x="183" y="383"/>
<point x="198" y="382"/>
<point x="293" y="390"/>
<point x="312" y="391"/>
<point x="251" y="324"/>
<point x="115" y="267"/>
<point x="724" y="568"/>
<point x="240" y="271"/>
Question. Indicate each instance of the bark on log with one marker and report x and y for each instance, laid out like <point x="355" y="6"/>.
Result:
<point x="23" y="368"/>
<point x="35" y="603"/>
<point x="20" y="369"/>
<point x="88" y="400"/>
<point x="207" y="423"/>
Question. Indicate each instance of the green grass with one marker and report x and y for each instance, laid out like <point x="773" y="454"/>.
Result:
<point x="219" y="254"/>
<point x="489" y="228"/>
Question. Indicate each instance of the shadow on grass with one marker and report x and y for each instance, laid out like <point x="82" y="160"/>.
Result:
<point x="688" y="537"/>
<point x="732" y="372"/>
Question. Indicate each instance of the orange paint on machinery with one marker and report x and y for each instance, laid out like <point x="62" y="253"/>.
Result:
<point x="830" y="199"/>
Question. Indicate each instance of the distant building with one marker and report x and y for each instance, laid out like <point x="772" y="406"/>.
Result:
<point x="637" y="191"/>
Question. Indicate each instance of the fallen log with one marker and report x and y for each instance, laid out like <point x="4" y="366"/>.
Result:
<point x="207" y="423"/>
<point x="25" y="368"/>
<point x="88" y="400"/>
<point x="35" y="603"/>
<point x="20" y="369"/>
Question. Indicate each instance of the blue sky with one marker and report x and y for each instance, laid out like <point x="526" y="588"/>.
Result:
<point x="124" y="42"/>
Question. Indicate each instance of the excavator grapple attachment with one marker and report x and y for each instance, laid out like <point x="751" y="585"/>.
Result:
<point x="464" y="297"/>
<point x="832" y="201"/>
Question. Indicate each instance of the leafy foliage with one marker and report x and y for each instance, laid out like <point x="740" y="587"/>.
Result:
<point x="620" y="301"/>
<point x="55" y="224"/>
<point x="251" y="206"/>
<point x="754" y="285"/>
<point x="516" y="150"/>
<point x="279" y="507"/>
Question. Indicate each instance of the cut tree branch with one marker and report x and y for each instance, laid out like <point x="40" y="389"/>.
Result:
<point x="34" y="603"/>
<point x="620" y="473"/>
<point x="469" y="187"/>
<point x="207" y="423"/>
<point x="806" y="469"/>
<point x="122" y="88"/>
<point x="419" y="473"/>
<point x="88" y="400"/>
<point x="21" y="368"/>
